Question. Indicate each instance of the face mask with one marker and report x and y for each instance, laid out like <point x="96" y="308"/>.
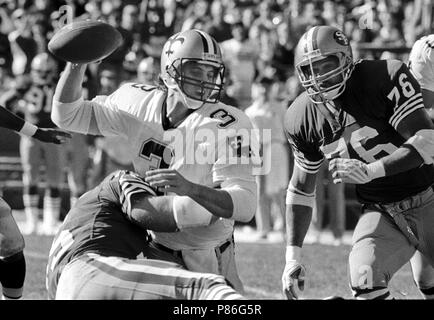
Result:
<point x="190" y="103"/>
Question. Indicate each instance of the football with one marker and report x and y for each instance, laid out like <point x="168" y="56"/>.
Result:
<point x="85" y="41"/>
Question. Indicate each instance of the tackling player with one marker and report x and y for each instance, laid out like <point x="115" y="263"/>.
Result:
<point x="169" y="128"/>
<point x="89" y="260"/>
<point x="12" y="260"/>
<point x="368" y="117"/>
<point x="421" y="64"/>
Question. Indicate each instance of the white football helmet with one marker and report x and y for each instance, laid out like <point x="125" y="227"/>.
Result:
<point x="193" y="48"/>
<point x="43" y="69"/>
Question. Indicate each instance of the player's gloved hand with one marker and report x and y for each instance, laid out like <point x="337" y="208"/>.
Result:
<point x="52" y="135"/>
<point x="293" y="274"/>
<point x="355" y="171"/>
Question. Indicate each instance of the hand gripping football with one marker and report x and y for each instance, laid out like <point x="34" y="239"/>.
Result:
<point x="85" y="41"/>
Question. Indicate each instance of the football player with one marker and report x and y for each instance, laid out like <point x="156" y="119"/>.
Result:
<point x="34" y="99"/>
<point x="89" y="260"/>
<point x="369" y="119"/>
<point x="169" y="128"/>
<point x="12" y="260"/>
<point x="421" y="64"/>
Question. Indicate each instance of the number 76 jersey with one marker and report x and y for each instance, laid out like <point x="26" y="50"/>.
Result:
<point x="378" y="96"/>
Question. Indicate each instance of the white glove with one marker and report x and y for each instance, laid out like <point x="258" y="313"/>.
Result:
<point x="355" y="171"/>
<point x="293" y="274"/>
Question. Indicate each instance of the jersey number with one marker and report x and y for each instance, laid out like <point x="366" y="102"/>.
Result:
<point x="358" y="138"/>
<point x="158" y="155"/>
<point x="406" y="88"/>
<point x="224" y="116"/>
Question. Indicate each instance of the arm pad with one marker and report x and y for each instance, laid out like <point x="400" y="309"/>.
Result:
<point x="244" y="198"/>
<point x="423" y="142"/>
<point x="188" y="213"/>
<point x="74" y="116"/>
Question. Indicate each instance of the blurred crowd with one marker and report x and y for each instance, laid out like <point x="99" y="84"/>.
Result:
<point x="257" y="38"/>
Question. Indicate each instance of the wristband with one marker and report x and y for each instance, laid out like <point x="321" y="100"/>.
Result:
<point x="28" y="129"/>
<point x="293" y="253"/>
<point x="376" y="169"/>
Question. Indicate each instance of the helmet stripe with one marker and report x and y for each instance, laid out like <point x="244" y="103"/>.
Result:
<point x="204" y="41"/>
<point x="207" y="42"/>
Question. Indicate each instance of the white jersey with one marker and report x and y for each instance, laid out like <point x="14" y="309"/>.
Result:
<point x="422" y="62"/>
<point x="135" y="111"/>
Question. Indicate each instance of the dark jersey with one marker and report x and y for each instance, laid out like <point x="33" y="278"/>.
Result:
<point x="378" y="96"/>
<point x="33" y="100"/>
<point x="100" y="223"/>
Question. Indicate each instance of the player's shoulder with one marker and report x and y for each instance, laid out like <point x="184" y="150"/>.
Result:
<point x="374" y="71"/>
<point x="130" y="90"/>
<point x="297" y="114"/>
<point x="134" y="97"/>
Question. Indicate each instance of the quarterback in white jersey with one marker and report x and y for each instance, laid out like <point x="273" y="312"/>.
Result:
<point x="421" y="63"/>
<point x="201" y="152"/>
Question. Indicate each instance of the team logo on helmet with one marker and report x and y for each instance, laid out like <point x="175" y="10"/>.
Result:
<point x="173" y="41"/>
<point x="340" y="38"/>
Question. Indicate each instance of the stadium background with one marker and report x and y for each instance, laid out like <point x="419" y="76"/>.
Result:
<point x="376" y="29"/>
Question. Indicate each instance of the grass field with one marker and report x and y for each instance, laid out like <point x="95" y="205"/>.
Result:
<point x="260" y="266"/>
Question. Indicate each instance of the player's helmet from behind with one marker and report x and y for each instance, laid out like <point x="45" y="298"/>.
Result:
<point x="316" y="44"/>
<point x="43" y="69"/>
<point x="198" y="49"/>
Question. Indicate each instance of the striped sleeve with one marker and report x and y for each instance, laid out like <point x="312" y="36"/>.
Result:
<point x="403" y="110"/>
<point x="309" y="162"/>
<point x="403" y="93"/>
<point x="130" y="184"/>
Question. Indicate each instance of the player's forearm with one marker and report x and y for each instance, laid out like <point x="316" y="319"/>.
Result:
<point x="298" y="220"/>
<point x="403" y="159"/>
<point x="154" y="213"/>
<point x="69" y="86"/>
<point x="11" y="121"/>
<point x="218" y="202"/>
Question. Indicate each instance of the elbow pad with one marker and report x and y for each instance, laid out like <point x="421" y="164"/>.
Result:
<point x="188" y="213"/>
<point x="244" y="198"/>
<point x="74" y="116"/>
<point x="423" y="142"/>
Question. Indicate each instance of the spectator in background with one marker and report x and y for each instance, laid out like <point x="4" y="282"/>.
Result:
<point x="241" y="56"/>
<point x="283" y="53"/>
<point x="23" y="45"/>
<point x="155" y="27"/>
<point x="147" y="71"/>
<point x="218" y="28"/>
<point x="267" y="114"/>
<point x="198" y="10"/>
